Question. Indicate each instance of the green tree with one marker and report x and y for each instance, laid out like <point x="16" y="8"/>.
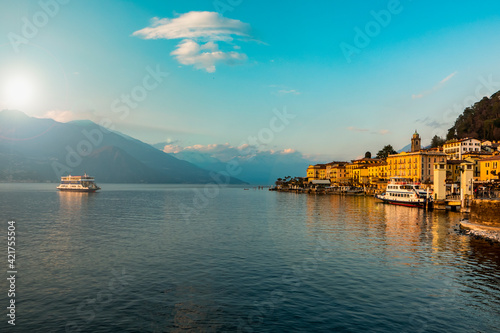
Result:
<point x="386" y="151"/>
<point x="437" y="141"/>
<point x="451" y="134"/>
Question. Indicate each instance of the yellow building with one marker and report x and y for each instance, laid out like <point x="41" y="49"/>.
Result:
<point x="360" y="176"/>
<point x="416" y="165"/>
<point x="316" y="172"/>
<point x="490" y="168"/>
<point x="475" y="157"/>
<point x="377" y="172"/>
<point x="336" y="172"/>
<point x="358" y="173"/>
<point x="453" y="171"/>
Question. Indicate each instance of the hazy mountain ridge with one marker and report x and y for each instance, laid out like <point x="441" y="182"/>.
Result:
<point x="256" y="167"/>
<point x="33" y="149"/>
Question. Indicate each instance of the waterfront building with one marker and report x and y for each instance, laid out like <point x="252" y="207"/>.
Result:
<point x="316" y="172"/>
<point x="336" y="172"/>
<point x="475" y="157"/>
<point x="453" y="170"/>
<point x="358" y="172"/>
<point x="490" y="168"/>
<point x="418" y="164"/>
<point x="490" y="146"/>
<point x="456" y="148"/>
<point x="377" y="172"/>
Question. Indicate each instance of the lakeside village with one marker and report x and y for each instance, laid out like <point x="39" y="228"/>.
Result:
<point x="460" y="175"/>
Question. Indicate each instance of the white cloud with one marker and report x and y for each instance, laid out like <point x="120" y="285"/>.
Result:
<point x="190" y="52"/>
<point x="448" y="77"/>
<point x="225" y="152"/>
<point x="291" y="91"/>
<point x="208" y="25"/>
<point x="280" y="90"/>
<point x="435" y="88"/>
<point x="200" y="33"/>
<point x="172" y="149"/>
<point x="64" y="116"/>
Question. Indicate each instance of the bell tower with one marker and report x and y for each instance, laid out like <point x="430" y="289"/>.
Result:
<point x="415" y="142"/>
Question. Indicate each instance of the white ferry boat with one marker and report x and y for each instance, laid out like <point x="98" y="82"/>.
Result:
<point x="78" y="184"/>
<point x="404" y="192"/>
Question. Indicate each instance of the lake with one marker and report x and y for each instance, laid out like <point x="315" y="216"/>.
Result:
<point x="178" y="258"/>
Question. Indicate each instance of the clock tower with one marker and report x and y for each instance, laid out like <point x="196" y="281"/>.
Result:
<point x="415" y="142"/>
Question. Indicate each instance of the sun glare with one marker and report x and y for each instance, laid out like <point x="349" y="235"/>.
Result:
<point x="18" y="92"/>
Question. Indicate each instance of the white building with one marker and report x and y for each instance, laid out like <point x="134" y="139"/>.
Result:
<point x="455" y="148"/>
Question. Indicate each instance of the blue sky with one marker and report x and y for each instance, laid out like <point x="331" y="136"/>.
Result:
<point x="415" y="65"/>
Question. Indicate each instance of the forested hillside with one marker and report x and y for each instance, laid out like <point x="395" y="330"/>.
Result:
<point x="480" y="121"/>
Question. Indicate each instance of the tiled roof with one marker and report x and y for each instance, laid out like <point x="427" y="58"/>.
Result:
<point x="493" y="158"/>
<point x="366" y="159"/>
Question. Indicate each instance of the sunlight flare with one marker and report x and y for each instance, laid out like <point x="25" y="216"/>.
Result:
<point x="19" y="91"/>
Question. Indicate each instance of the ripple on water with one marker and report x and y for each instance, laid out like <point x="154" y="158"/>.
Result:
<point x="128" y="259"/>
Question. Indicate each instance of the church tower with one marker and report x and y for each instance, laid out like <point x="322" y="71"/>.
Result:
<point x="415" y="142"/>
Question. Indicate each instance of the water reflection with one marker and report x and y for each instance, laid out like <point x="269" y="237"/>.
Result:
<point x="420" y="251"/>
<point x="373" y="225"/>
<point x="71" y="202"/>
<point x="336" y="263"/>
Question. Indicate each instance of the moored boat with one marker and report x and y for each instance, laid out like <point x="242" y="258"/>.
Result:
<point x="83" y="183"/>
<point x="353" y="190"/>
<point x="405" y="192"/>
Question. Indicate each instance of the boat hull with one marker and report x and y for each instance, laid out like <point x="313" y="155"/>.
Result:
<point x="418" y="204"/>
<point x="88" y="190"/>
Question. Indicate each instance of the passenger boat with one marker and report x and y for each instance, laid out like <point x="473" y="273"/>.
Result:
<point x="352" y="190"/>
<point x="78" y="184"/>
<point x="404" y="192"/>
<point x="347" y="190"/>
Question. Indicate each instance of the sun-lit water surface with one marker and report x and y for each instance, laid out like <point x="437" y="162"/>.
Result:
<point x="169" y="258"/>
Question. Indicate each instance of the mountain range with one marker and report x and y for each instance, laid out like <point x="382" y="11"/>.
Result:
<point x="255" y="166"/>
<point x="43" y="150"/>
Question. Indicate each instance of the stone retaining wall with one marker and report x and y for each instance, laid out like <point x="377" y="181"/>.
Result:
<point x="485" y="212"/>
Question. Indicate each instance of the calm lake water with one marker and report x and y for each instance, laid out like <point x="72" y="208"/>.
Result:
<point x="168" y="258"/>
